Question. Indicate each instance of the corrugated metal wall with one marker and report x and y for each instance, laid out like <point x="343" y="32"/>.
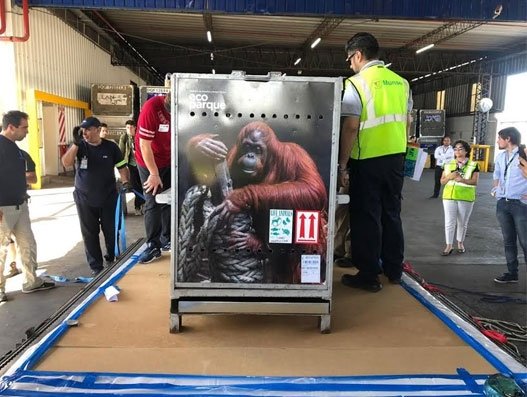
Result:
<point x="59" y="61"/>
<point x="466" y="9"/>
<point x="458" y="98"/>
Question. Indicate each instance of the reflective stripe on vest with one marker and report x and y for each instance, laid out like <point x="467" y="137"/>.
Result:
<point x="457" y="190"/>
<point x="384" y="115"/>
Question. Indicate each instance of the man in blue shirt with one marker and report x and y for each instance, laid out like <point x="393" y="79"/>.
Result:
<point x="510" y="188"/>
<point x="95" y="191"/>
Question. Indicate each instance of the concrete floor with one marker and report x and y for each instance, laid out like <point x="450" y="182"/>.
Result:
<point x="60" y="252"/>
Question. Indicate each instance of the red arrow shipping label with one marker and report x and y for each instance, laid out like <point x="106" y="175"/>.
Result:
<point x="306" y="227"/>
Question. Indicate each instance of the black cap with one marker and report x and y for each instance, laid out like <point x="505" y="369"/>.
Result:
<point x="90" y="122"/>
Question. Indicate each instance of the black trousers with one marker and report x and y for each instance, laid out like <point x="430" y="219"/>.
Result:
<point x="375" y="216"/>
<point x="135" y="181"/>
<point x="437" y="180"/>
<point x="157" y="216"/>
<point x="92" y="221"/>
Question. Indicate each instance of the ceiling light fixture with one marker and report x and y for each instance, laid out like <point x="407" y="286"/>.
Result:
<point x="298" y="61"/>
<point x="426" y="47"/>
<point x="315" y="43"/>
<point x="213" y="71"/>
<point x="388" y="65"/>
<point x="212" y="56"/>
<point x="209" y="36"/>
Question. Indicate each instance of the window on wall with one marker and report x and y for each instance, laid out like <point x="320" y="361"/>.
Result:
<point x="476" y="88"/>
<point x="440" y="100"/>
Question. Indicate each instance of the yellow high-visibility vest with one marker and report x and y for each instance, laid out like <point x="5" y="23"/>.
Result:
<point x="458" y="190"/>
<point x="384" y="97"/>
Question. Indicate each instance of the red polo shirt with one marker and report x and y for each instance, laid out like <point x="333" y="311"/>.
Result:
<point x="154" y="125"/>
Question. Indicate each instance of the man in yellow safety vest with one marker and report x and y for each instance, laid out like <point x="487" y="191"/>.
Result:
<point x="375" y="107"/>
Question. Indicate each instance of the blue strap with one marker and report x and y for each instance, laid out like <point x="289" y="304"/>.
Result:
<point x="58" y="279"/>
<point x="139" y="194"/>
<point x="120" y="228"/>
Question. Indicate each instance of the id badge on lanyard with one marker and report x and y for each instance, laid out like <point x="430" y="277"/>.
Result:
<point x="84" y="163"/>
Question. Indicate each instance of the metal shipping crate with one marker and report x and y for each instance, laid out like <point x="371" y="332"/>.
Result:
<point x="254" y="194"/>
<point x="146" y="92"/>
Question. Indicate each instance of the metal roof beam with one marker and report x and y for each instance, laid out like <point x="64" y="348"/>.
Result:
<point x="324" y="29"/>
<point x="328" y="25"/>
<point x="323" y="60"/>
<point x="442" y="33"/>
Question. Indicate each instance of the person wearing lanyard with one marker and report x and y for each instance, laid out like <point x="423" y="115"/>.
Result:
<point x="14" y="212"/>
<point x="460" y="178"/>
<point x="510" y="189"/>
<point x="95" y="193"/>
<point x="153" y="154"/>
<point x="443" y="154"/>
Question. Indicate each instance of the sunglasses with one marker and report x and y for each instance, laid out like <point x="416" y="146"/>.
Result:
<point x="350" y="56"/>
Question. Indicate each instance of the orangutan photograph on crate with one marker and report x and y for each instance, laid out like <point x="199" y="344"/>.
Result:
<point x="223" y="234"/>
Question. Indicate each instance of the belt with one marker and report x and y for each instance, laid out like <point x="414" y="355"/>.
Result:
<point x="508" y="199"/>
<point x="17" y="206"/>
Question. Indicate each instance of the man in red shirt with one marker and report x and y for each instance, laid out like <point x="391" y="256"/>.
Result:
<point x="152" y="153"/>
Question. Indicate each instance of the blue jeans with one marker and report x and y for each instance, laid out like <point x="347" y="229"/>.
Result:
<point x="512" y="216"/>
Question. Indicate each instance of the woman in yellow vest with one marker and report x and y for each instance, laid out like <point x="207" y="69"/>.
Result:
<point x="460" y="177"/>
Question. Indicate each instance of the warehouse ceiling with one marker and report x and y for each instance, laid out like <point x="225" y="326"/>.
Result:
<point x="177" y="42"/>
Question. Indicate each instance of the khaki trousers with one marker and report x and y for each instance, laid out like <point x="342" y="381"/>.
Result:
<point x="16" y="222"/>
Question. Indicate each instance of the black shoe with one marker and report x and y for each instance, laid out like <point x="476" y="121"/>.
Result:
<point x="95" y="272"/>
<point x="3" y="297"/>
<point x="446" y="253"/>
<point x="109" y="258"/>
<point x="506" y="278"/>
<point x="166" y="247"/>
<point x="357" y="281"/>
<point x="433" y="196"/>
<point x="343" y="262"/>
<point x="150" y="254"/>
<point x="44" y="286"/>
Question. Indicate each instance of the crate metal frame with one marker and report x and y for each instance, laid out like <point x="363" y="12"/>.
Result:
<point x="233" y="298"/>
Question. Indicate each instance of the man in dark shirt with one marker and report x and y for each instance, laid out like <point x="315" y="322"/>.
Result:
<point x="14" y="212"/>
<point x="95" y="191"/>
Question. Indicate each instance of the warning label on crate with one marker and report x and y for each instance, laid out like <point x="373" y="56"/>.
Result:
<point x="281" y="226"/>
<point x="310" y="269"/>
<point x="306" y="227"/>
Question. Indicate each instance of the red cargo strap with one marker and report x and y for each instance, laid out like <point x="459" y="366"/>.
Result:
<point x="495" y="335"/>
